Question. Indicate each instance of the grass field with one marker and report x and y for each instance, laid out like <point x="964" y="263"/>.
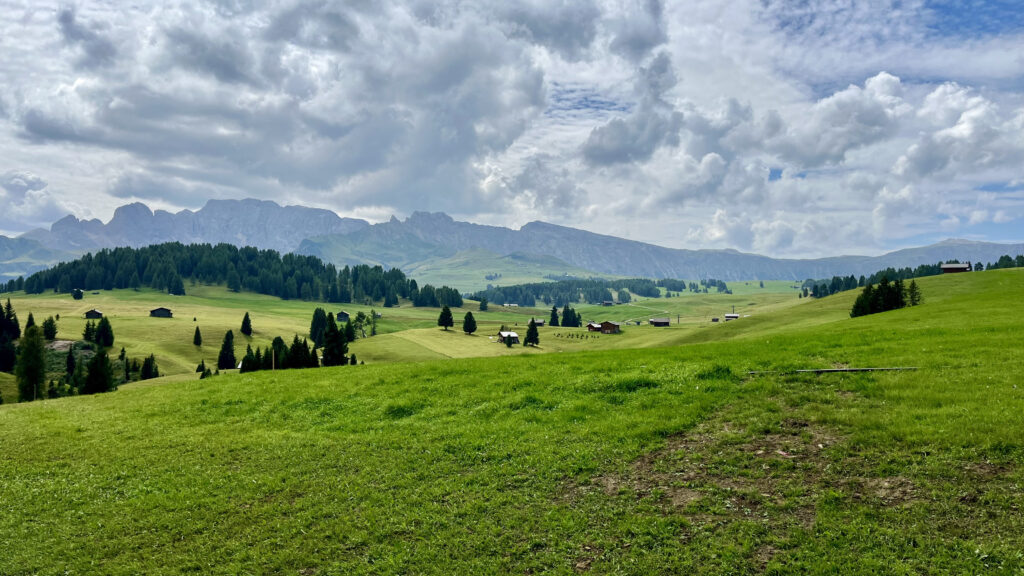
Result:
<point x="650" y="461"/>
<point x="405" y="333"/>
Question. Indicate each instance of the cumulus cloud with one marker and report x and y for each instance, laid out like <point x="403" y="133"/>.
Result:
<point x="750" y="125"/>
<point x="97" y="50"/>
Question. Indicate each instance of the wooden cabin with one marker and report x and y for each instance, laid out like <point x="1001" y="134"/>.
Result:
<point x="955" y="268"/>
<point x="608" y="327"/>
<point x="503" y="336"/>
<point x="161" y="312"/>
<point x="93" y="314"/>
<point x="660" y="321"/>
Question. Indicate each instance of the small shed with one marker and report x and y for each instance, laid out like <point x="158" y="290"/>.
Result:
<point x="607" y="303"/>
<point x="93" y="314"/>
<point x="341" y="316"/>
<point x="954" y="268"/>
<point x="160" y="312"/>
<point x="660" y="321"/>
<point x="538" y="322"/>
<point x="714" y="319"/>
<point x="593" y="326"/>
<point x="502" y="336"/>
<point x="731" y="317"/>
<point x="608" y="327"/>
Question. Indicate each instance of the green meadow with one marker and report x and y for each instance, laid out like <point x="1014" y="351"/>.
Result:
<point x="650" y="452"/>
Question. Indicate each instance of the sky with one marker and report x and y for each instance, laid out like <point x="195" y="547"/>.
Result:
<point x="791" y="128"/>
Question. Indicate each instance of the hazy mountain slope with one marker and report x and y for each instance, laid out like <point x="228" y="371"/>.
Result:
<point x="23" y="256"/>
<point x="605" y="254"/>
<point x="257" y="223"/>
<point x="469" y="269"/>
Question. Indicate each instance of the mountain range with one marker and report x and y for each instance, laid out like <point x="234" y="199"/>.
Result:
<point x="432" y="243"/>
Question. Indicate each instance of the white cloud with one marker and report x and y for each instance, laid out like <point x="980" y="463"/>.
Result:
<point x="872" y="125"/>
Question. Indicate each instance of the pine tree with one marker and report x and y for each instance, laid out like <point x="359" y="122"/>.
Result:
<point x="914" y="293"/>
<point x="69" y="361"/>
<point x="135" y="283"/>
<point x="50" y="328"/>
<point x="350" y="332"/>
<point x="149" y="368"/>
<point x="89" y="334"/>
<point x="554" y="317"/>
<point x="234" y="282"/>
<point x="99" y="377"/>
<point x="246" y="325"/>
<point x="469" y="323"/>
<point x="445" y="320"/>
<point x="30" y="322"/>
<point x="201" y="367"/>
<point x="483" y="304"/>
<point x="249" y="362"/>
<point x="532" y="337"/>
<point x="104" y="333"/>
<point x="175" y="286"/>
<point x="226" y="358"/>
<point x="335" y="345"/>
<point x="30" y="369"/>
<point x="318" y="326"/>
<point x="197" y="338"/>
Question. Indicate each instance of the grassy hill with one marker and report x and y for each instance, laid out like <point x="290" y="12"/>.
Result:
<point x="468" y="270"/>
<point x="405" y="333"/>
<point x="652" y="461"/>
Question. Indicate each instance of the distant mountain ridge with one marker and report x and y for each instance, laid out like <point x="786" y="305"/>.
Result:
<point x="437" y="232"/>
<point x="258" y="223"/>
<point x="427" y="242"/>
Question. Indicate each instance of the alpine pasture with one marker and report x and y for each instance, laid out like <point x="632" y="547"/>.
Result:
<point x="649" y="460"/>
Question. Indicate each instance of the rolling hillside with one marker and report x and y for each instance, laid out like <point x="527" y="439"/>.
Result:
<point x="669" y="460"/>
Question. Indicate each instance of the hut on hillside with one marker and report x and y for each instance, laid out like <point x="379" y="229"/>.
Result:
<point x="660" y="321"/>
<point x="93" y="314"/>
<point x="503" y="336"/>
<point x="341" y="316"/>
<point x="160" y="312"/>
<point x="608" y="327"/>
<point x="538" y="322"/>
<point x="593" y="326"/>
<point x="731" y="317"/>
<point x="953" y="268"/>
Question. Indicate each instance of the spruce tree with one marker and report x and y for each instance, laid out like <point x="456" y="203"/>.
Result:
<point x="89" y="334"/>
<point x="469" y="323"/>
<point x="197" y="338"/>
<point x="249" y="363"/>
<point x="532" y="337"/>
<point x="554" y="317"/>
<point x="30" y="322"/>
<point x="318" y="326"/>
<point x="30" y="369"/>
<point x="149" y="368"/>
<point x="104" y="333"/>
<point x="50" y="328"/>
<point x="335" y="346"/>
<point x="483" y="304"/>
<point x="914" y="293"/>
<point x="11" y="325"/>
<point x="226" y="358"/>
<point x="246" y="325"/>
<point x="445" y="320"/>
<point x="99" y="377"/>
<point x="69" y="361"/>
<point x="201" y="367"/>
<point x="8" y="353"/>
<point x="350" y="332"/>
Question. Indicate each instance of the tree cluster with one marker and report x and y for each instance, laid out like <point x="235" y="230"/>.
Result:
<point x="568" y="291"/>
<point x="101" y="334"/>
<point x="10" y="330"/>
<point x="885" y="296"/>
<point x="291" y="276"/>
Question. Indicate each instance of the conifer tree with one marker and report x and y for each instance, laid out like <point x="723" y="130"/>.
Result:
<point x="50" y="328"/>
<point x="99" y="376"/>
<point x="532" y="337"/>
<point x="30" y="369"/>
<point x="30" y="322"/>
<point x="469" y="323"/>
<point x="445" y="320"/>
<point x="104" y="333"/>
<point x="201" y="367"/>
<point x="350" y="331"/>
<point x="149" y="368"/>
<point x="335" y="345"/>
<point x="249" y="363"/>
<point x="483" y="304"/>
<point x="914" y="293"/>
<point x="246" y="325"/>
<point x="226" y="358"/>
<point x="197" y="338"/>
<point x="318" y="326"/>
<point x="554" y="317"/>
<point x="69" y="361"/>
<point x="89" y="334"/>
